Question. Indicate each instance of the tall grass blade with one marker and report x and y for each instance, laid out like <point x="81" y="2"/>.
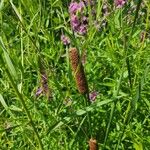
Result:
<point x="132" y="103"/>
<point x="113" y="108"/>
<point x="20" y="97"/>
<point x="3" y="102"/>
<point x="8" y="60"/>
<point x="16" y="10"/>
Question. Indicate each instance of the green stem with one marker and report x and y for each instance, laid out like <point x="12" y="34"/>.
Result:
<point x="24" y="106"/>
<point x="113" y="107"/>
<point x="87" y="103"/>
<point x="131" y="105"/>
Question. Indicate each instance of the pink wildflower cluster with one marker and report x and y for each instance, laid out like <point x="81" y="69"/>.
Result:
<point x="65" y="39"/>
<point x="120" y="3"/>
<point x="78" y="19"/>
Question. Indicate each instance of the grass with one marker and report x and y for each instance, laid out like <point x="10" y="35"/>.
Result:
<point x="117" y="67"/>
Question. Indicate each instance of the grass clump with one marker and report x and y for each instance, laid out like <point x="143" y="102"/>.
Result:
<point x="42" y="106"/>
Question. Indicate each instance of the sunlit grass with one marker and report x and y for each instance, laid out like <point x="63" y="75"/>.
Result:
<point x="117" y="66"/>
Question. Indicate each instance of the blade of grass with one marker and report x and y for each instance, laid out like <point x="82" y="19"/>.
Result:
<point x="23" y="26"/>
<point x="129" y="113"/>
<point x="92" y="107"/>
<point x="113" y="108"/>
<point x="5" y="105"/>
<point x="20" y="97"/>
<point x="75" y="135"/>
<point x="131" y="105"/>
<point x="8" y="60"/>
<point x="136" y="16"/>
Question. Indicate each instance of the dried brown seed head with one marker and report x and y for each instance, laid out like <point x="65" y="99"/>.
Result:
<point x="78" y="71"/>
<point x="93" y="144"/>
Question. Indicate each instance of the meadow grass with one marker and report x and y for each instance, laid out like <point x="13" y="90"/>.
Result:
<point x="117" y="67"/>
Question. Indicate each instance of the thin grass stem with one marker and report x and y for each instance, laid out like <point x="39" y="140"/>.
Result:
<point x="20" y="97"/>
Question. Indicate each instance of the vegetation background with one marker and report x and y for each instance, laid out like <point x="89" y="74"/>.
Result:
<point x="117" y="67"/>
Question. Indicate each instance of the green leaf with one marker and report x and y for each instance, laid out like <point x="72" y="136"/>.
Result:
<point x="3" y="102"/>
<point x="80" y="112"/>
<point x="16" y="11"/>
<point x="5" y="105"/>
<point x="8" y="60"/>
<point x="92" y="107"/>
<point x="15" y="108"/>
<point x="138" y="146"/>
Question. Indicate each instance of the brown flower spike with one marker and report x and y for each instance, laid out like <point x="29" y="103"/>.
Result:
<point x="93" y="144"/>
<point x="78" y="71"/>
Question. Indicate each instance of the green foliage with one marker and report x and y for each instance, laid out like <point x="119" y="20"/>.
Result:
<point x="117" y="66"/>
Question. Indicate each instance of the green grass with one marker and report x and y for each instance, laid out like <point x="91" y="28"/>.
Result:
<point x="117" y="67"/>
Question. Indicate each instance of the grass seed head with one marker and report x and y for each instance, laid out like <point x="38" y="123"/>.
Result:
<point x="78" y="71"/>
<point x="93" y="144"/>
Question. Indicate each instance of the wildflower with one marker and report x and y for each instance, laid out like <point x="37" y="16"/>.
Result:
<point x="78" y="22"/>
<point x="84" y="20"/>
<point x="38" y="92"/>
<point x="105" y="10"/>
<point x="78" y="71"/>
<point x="120" y="3"/>
<point x="87" y="2"/>
<point x="65" y="40"/>
<point x="81" y="5"/>
<point x="74" y="7"/>
<point x="75" y="23"/>
<point x="82" y="29"/>
<point x="93" y="95"/>
<point x="44" y="88"/>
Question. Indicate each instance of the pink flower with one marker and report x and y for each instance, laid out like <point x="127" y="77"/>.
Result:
<point x="75" y="23"/>
<point x="65" y="40"/>
<point x="93" y="95"/>
<point x="38" y="91"/>
<point x="78" y="22"/>
<point x="74" y="7"/>
<point x="84" y="20"/>
<point x="120" y="3"/>
<point x="83" y="29"/>
<point x="81" y="5"/>
<point x="78" y="15"/>
<point x="44" y="88"/>
<point x="91" y="2"/>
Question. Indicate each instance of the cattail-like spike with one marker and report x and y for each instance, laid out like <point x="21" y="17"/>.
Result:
<point x="93" y="144"/>
<point x="78" y="71"/>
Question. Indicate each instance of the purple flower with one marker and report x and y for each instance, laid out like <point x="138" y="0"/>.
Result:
<point x="93" y="95"/>
<point x="81" y="5"/>
<point x="84" y="20"/>
<point x="44" y="77"/>
<point x="91" y="2"/>
<point x="65" y="40"/>
<point x="75" y="22"/>
<point x="105" y="10"/>
<point x="74" y="7"/>
<point x="78" y="22"/>
<point x="120" y="3"/>
<point x="44" y="88"/>
<point x="83" y="29"/>
<point x="38" y="91"/>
